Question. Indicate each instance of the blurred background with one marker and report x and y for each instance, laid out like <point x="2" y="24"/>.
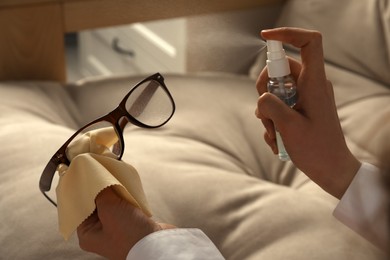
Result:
<point x="225" y="42"/>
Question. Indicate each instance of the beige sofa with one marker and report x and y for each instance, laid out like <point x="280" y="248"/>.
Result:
<point x="209" y="167"/>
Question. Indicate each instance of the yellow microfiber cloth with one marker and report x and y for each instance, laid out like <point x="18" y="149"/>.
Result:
<point x="93" y="167"/>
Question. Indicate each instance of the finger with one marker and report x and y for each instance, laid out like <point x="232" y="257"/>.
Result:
<point x="261" y="83"/>
<point x="269" y="127"/>
<point x="270" y="107"/>
<point x="295" y="67"/>
<point x="90" y="222"/>
<point x="310" y="43"/>
<point x="105" y="201"/>
<point x="90" y="225"/>
<point x="106" y="197"/>
<point x="270" y="134"/>
<point x="89" y="232"/>
<point x="271" y="143"/>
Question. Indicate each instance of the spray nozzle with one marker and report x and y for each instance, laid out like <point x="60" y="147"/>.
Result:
<point x="277" y="61"/>
<point x="275" y="50"/>
<point x="274" y="46"/>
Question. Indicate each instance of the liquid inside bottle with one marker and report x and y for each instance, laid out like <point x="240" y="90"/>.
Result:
<point x="285" y="89"/>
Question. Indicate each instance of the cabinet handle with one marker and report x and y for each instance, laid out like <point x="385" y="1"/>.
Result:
<point x="119" y="49"/>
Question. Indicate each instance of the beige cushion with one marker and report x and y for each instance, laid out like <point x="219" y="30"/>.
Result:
<point x="208" y="168"/>
<point x="35" y="119"/>
<point x="364" y="111"/>
<point x="356" y="34"/>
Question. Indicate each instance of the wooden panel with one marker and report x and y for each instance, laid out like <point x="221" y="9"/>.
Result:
<point x="32" y="43"/>
<point x="32" y="31"/>
<point x="88" y="14"/>
<point x="24" y="2"/>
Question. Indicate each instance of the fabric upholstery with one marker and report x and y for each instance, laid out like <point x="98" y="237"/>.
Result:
<point x="207" y="168"/>
<point x="35" y="119"/>
<point x="356" y="34"/>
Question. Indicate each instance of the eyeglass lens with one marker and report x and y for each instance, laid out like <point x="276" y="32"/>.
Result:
<point x="150" y="104"/>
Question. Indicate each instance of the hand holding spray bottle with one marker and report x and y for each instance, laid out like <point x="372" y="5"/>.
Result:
<point x="280" y="83"/>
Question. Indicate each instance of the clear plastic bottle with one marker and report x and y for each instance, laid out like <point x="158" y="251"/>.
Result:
<point x="280" y="83"/>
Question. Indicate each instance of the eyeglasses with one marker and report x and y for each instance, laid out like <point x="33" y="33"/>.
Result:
<point x="148" y="104"/>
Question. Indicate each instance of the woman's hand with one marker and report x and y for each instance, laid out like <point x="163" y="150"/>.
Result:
<point x="115" y="227"/>
<point x="311" y="132"/>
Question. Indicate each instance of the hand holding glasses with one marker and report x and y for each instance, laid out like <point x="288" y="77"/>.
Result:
<point x="148" y="104"/>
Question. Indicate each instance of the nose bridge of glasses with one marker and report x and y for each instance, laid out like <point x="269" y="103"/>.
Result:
<point x="118" y="117"/>
<point x="123" y="122"/>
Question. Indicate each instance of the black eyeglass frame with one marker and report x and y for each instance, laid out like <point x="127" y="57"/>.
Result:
<point x="114" y="117"/>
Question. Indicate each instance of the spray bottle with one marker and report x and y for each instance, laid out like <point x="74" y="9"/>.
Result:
<point x="280" y="83"/>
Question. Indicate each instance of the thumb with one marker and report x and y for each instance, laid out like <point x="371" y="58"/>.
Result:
<point x="107" y="196"/>
<point x="270" y="107"/>
<point x="107" y="202"/>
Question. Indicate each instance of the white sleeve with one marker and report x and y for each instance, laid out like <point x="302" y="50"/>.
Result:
<point x="364" y="206"/>
<point x="172" y="244"/>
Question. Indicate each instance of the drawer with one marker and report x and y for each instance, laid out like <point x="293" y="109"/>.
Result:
<point x="135" y="49"/>
<point x="97" y="58"/>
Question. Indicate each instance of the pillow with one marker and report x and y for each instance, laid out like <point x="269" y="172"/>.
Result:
<point x="35" y="119"/>
<point x="208" y="168"/>
<point x="38" y="101"/>
<point x="356" y="34"/>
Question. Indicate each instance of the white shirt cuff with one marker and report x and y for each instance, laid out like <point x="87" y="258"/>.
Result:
<point x="175" y="244"/>
<point x="364" y="205"/>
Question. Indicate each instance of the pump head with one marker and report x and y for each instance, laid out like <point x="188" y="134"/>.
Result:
<point x="277" y="62"/>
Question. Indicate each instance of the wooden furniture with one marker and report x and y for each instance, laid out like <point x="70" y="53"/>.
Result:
<point x="32" y="31"/>
<point x="138" y="48"/>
